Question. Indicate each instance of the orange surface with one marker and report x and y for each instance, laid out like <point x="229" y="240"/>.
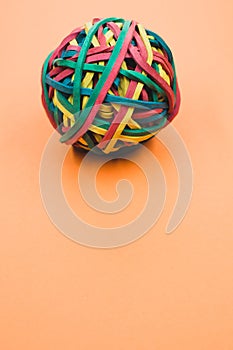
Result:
<point x="161" y="292"/>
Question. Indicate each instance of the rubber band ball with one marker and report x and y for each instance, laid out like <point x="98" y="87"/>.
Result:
<point x="110" y="84"/>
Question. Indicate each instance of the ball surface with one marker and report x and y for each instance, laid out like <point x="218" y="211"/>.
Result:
<point x="110" y="84"/>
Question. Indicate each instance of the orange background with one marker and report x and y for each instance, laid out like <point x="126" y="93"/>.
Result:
<point x="161" y="292"/>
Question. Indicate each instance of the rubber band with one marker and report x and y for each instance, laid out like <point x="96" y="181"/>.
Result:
<point x="110" y="83"/>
